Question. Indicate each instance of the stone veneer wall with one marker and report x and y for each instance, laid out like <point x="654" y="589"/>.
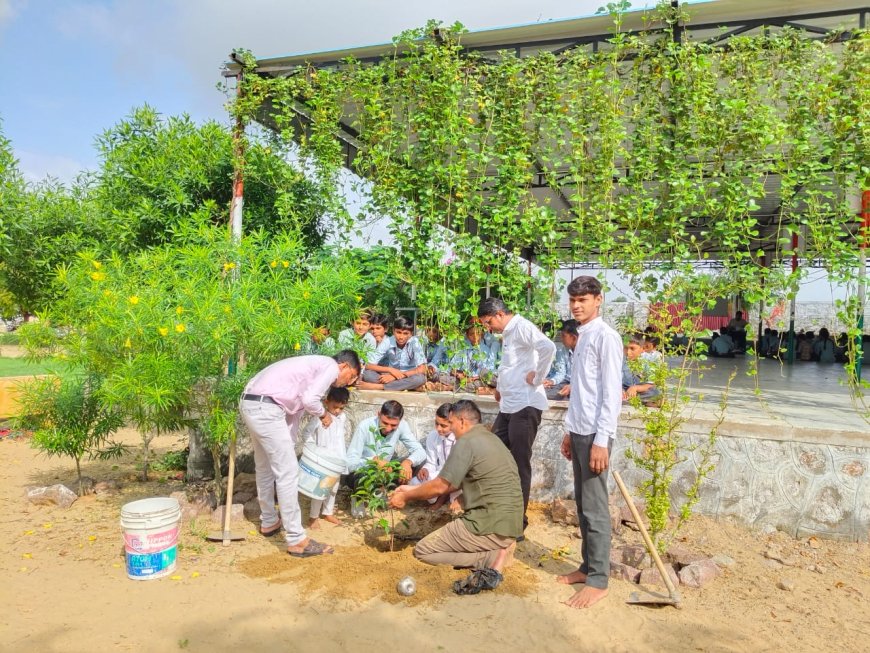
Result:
<point x="788" y="480"/>
<point x="800" y="481"/>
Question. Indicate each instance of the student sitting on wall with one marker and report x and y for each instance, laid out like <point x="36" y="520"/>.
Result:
<point x="403" y="364"/>
<point x="357" y="336"/>
<point x="470" y="367"/>
<point x="378" y="330"/>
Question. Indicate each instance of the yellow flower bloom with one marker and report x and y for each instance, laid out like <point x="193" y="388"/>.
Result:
<point x="226" y="309"/>
<point x="306" y="295"/>
<point x="359" y="298"/>
<point x="286" y="264"/>
<point x="273" y="264"/>
<point x="297" y="346"/>
<point x="107" y="293"/>
<point x="98" y="276"/>
<point x="229" y="266"/>
<point x="163" y="331"/>
<point x="133" y="299"/>
<point x="128" y="343"/>
<point x="180" y="328"/>
<point x="179" y="310"/>
<point x="97" y="265"/>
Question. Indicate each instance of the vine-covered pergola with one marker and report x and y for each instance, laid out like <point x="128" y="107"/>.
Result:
<point x="667" y="138"/>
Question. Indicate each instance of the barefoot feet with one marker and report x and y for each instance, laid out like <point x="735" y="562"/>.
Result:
<point x="573" y="577"/>
<point x="586" y="597"/>
<point x="332" y="519"/>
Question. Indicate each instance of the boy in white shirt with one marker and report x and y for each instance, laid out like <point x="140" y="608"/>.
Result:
<point x="439" y="442"/>
<point x="330" y="438"/>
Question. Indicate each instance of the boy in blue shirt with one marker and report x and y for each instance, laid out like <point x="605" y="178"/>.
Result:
<point x="402" y="366"/>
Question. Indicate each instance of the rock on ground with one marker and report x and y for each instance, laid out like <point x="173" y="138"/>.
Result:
<point x="624" y="572"/>
<point x="699" y="573"/>
<point x="564" y="511"/>
<point x="653" y="577"/>
<point x="237" y="513"/>
<point x="252" y="509"/>
<point x="58" y="495"/>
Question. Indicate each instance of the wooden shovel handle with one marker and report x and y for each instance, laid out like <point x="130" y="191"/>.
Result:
<point x="231" y="472"/>
<point x="646" y="538"/>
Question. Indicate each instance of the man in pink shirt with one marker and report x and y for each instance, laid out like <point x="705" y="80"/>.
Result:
<point x="271" y="407"/>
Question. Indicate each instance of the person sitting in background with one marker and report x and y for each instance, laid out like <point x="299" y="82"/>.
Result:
<point x="722" y="346"/>
<point x="357" y="336"/>
<point x="320" y="342"/>
<point x="469" y="367"/>
<point x="650" y="353"/>
<point x="823" y="347"/>
<point x="560" y="371"/>
<point x="805" y="346"/>
<point x="378" y="329"/>
<point x="737" y="328"/>
<point x="633" y="385"/>
<point x="403" y="364"/>
<point x="436" y="352"/>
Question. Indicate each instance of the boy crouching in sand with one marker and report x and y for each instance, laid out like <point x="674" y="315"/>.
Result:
<point x="330" y="438"/>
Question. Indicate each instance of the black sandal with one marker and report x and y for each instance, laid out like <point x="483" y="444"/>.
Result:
<point x="479" y="579"/>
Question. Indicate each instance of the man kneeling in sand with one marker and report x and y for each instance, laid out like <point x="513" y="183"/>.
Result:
<point x="492" y="499"/>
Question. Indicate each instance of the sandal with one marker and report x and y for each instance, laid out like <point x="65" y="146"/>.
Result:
<point x="313" y="548"/>
<point x="272" y="531"/>
<point x="479" y="579"/>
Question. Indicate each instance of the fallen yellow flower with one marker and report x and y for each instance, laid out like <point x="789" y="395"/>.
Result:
<point x="195" y="574"/>
<point x="176" y="577"/>
<point x="27" y="556"/>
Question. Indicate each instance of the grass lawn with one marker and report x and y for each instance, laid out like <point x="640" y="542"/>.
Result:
<point x="20" y="367"/>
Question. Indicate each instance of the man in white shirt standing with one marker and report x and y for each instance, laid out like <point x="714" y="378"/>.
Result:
<point x="525" y="361"/>
<point x="593" y="411"/>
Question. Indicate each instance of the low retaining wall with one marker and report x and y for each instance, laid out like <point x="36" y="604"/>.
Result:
<point x="800" y="481"/>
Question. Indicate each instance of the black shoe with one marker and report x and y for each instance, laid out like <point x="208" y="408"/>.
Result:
<point x="479" y="579"/>
<point x="521" y="538"/>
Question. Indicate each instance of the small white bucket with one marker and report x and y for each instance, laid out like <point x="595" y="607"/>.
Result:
<point x="150" y="537"/>
<point x="319" y="471"/>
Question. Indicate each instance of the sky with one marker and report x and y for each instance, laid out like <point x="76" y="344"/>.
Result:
<point x="73" y="68"/>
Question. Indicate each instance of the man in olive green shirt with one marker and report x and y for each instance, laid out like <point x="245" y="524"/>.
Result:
<point x="482" y="467"/>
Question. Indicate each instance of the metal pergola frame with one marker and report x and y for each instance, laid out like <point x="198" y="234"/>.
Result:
<point x="718" y="22"/>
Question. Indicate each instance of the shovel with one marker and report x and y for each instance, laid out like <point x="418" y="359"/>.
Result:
<point x="226" y="535"/>
<point x="649" y="598"/>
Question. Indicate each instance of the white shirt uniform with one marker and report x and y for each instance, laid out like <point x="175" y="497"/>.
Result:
<point x="331" y="438"/>
<point x="524" y="349"/>
<point x="596" y="382"/>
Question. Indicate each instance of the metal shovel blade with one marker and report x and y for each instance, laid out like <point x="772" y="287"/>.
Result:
<point x="654" y="598"/>
<point x="225" y="536"/>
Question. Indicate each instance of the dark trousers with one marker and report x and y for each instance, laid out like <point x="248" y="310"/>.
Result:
<point x="518" y="432"/>
<point x="593" y="509"/>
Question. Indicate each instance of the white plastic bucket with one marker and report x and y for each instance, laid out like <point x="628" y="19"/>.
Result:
<point x="319" y="471"/>
<point x="150" y="537"/>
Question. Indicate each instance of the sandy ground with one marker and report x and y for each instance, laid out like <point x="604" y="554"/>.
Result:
<point x="65" y="587"/>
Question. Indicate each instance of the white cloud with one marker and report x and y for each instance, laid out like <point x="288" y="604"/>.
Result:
<point x="36" y="166"/>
